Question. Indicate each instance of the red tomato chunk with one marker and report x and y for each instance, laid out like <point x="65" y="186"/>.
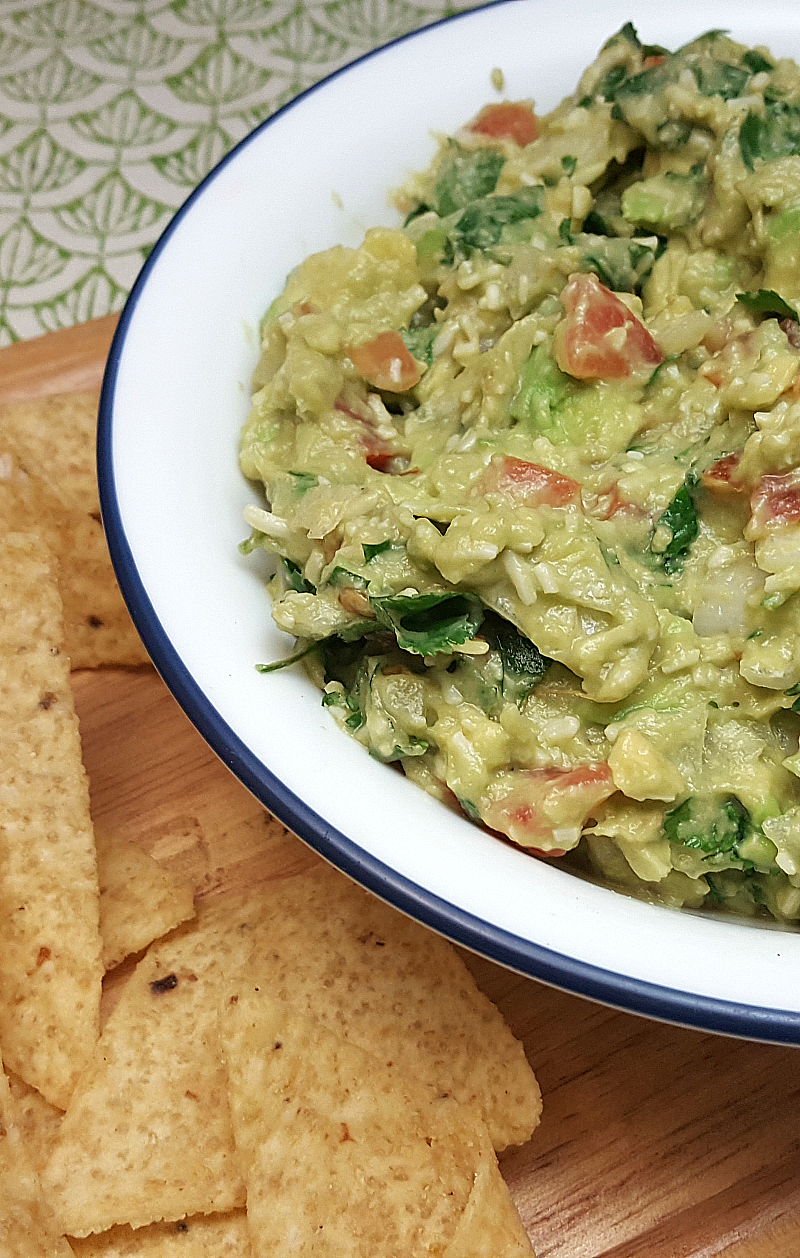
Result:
<point x="540" y="808"/>
<point x="717" y="478"/>
<point x="775" y="500"/>
<point x="508" y="120"/>
<point x="599" y="338"/>
<point x="385" y="363"/>
<point x="529" y="484"/>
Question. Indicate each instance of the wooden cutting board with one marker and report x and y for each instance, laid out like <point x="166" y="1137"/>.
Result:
<point x="655" y="1142"/>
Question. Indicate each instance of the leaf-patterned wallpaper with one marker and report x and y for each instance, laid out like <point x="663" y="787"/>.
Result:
<point x="112" y="110"/>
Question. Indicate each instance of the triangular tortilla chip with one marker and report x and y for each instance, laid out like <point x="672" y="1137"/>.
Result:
<point x="147" y="1134"/>
<point x="342" y="1155"/>
<point x="139" y="901"/>
<point x="359" y="967"/>
<point x="27" y="1229"/>
<point x="374" y="976"/>
<point x="487" y="1228"/>
<point x="48" y="486"/>
<point x="204" y="1236"/>
<point x="56" y="437"/>
<point x="50" y="971"/>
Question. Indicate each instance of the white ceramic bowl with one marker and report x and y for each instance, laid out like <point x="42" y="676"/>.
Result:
<point x="174" y="398"/>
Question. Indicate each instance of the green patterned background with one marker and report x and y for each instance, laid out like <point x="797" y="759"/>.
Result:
<point x="112" y="110"/>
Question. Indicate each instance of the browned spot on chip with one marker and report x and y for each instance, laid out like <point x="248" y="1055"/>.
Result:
<point x="44" y="954"/>
<point x="47" y="700"/>
<point x="94" y="622"/>
<point x="166" y="984"/>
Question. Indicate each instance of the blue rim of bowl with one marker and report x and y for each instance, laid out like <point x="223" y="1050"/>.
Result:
<point x="632" y="995"/>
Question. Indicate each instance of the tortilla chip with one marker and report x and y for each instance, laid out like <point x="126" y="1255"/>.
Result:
<point x="38" y="1121"/>
<point x="373" y="976"/>
<point x="344" y="958"/>
<point x="341" y="1155"/>
<point x="97" y="628"/>
<point x="147" y="1135"/>
<point x="50" y="970"/>
<point x="27" y="1229"/>
<point x="56" y="437"/>
<point x="205" y="1236"/>
<point x="139" y="901"/>
<point x="487" y="1228"/>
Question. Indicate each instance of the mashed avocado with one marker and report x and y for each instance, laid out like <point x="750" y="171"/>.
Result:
<point x="532" y="475"/>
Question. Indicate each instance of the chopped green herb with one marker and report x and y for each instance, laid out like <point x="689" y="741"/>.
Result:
<point x="709" y="824"/>
<point x="294" y="579"/>
<point x="756" y="63"/>
<point x="481" y="225"/>
<point x="680" y="518"/>
<point x="776" y="134"/>
<point x="523" y="663"/>
<point x="427" y="624"/>
<point x="621" y="263"/>
<point x="717" y="78"/>
<point x="299" y="654"/>
<point x="372" y="549"/>
<point x="467" y="176"/>
<point x="417" y="212"/>
<point x="303" y="481"/>
<point x="768" y="303"/>
<point x="419" y="342"/>
<point x="594" y="224"/>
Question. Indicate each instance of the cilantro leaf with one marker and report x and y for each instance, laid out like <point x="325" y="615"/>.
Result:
<point x="372" y="549"/>
<point x="776" y="134"/>
<point x="481" y="225"/>
<point x="523" y="663"/>
<point x="426" y="624"/>
<point x="302" y="651"/>
<point x="766" y="302"/>
<point x="419" y="342"/>
<point x="756" y="63"/>
<point x="710" y="825"/>
<point x="467" y="176"/>
<point x="680" y="518"/>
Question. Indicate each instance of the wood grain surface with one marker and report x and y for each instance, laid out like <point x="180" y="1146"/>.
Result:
<point x="655" y="1142"/>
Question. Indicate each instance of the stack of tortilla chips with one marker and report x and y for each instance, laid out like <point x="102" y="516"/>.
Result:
<point x="299" y="1068"/>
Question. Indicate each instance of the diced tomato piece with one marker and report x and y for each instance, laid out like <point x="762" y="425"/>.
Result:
<point x="377" y="452"/>
<point x="653" y="60"/>
<point x="599" y="338"/>
<point x="529" y="484"/>
<point x="717" y="478"/>
<point x="508" y="120"/>
<point x="613" y="504"/>
<point x="386" y="363"/>
<point x="774" y="501"/>
<point x="541" y="808"/>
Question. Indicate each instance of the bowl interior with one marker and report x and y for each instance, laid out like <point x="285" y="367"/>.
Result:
<point x="175" y="396"/>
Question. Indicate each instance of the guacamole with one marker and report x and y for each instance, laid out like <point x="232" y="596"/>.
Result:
<point x="531" y="465"/>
